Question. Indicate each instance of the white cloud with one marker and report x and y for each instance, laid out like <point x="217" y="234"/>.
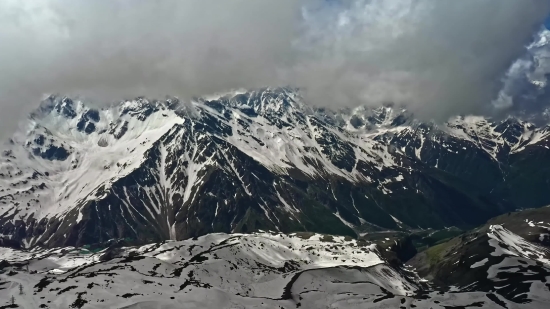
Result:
<point x="436" y="57"/>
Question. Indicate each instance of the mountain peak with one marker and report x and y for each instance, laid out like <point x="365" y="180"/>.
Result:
<point x="245" y="161"/>
<point x="61" y="105"/>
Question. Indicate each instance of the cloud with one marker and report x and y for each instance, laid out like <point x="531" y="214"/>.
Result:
<point x="525" y="84"/>
<point x="439" y="58"/>
<point x="436" y="57"/>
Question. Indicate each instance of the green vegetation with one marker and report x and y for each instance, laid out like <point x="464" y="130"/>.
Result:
<point x="434" y="254"/>
<point x="87" y="249"/>
<point x="425" y="240"/>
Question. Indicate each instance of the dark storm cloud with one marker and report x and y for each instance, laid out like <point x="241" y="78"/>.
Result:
<point x="437" y="57"/>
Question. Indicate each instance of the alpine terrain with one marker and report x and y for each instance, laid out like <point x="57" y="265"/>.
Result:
<point x="257" y="199"/>
<point x="261" y="154"/>
<point x="147" y="171"/>
<point x="272" y="270"/>
<point x="229" y="201"/>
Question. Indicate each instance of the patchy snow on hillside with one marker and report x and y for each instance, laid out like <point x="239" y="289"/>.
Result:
<point x="261" y="270"/>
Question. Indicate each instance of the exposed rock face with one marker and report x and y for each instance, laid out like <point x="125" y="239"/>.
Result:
<point x="147" y="171"/>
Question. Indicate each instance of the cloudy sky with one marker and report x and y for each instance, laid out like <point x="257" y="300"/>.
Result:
<point x="437" y="57"/>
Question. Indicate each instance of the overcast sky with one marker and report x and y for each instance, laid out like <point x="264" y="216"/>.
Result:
<point x="437" y="57"/>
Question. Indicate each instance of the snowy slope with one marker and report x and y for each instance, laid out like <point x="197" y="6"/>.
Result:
<point x="509" y="257"/>
<point x="249" y="160"/>
<point x="76" y="149"/>
<point x="262" y="270"/>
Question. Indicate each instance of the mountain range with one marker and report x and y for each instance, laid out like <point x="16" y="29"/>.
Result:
<point x="491" y="267"/>
<point x="255" y="199"/>
<point x="147" y="171"/>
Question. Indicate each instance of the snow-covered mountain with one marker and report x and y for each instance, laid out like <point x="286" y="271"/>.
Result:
<point x="260" y="270"/>
<point x="148" y="171"/>
<point x="509" y="256"/>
